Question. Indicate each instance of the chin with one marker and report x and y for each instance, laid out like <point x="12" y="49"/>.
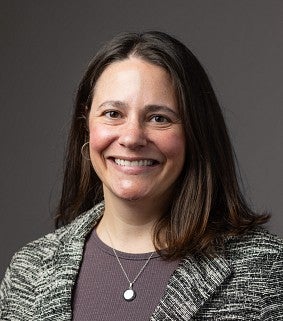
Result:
<point x="131" y="199"/>
<point x="130" y="195"/>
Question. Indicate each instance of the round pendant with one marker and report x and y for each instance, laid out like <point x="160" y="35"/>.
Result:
<point x="129" y="295"/>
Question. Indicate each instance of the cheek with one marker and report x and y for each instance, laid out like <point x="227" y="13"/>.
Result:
<point x="173" y="146"/>
<point x="99" y="138"/>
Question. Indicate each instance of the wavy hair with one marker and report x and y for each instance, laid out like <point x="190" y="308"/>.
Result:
<point x="208" y="204"/>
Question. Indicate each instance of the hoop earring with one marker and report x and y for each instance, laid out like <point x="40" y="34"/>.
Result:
<point x="82" y="151"/>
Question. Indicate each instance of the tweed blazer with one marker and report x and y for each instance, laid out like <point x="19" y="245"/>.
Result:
<point x="245" y="282"/>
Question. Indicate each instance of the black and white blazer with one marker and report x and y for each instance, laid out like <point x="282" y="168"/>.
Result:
<point x="243" y="283"/>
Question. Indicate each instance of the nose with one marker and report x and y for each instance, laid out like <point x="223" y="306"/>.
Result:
<point x="132" y="135"/>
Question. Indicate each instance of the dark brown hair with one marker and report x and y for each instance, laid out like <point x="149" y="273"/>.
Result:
<point x="208" y="203"/>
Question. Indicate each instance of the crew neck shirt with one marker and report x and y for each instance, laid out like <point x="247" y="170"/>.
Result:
<point x="98" y="292"/>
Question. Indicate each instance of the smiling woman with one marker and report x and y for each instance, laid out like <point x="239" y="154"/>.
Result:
<point x="154" y="223"/>
<point x="137" y="146"/>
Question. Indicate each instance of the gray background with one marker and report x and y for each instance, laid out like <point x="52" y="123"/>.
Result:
<point x="45" y="47"/>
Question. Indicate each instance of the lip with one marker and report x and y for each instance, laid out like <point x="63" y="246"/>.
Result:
<point x="155" y="160"/>
<point x="133" y="165"/>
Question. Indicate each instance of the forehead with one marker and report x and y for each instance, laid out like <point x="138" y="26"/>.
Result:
<point x="134" y="64"/>
<point x="132" y="76"/>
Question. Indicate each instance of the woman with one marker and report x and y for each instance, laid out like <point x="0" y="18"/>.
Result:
<point x="154" y="224"/>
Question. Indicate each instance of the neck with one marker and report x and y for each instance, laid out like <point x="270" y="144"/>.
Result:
<point x="130" y="225"/>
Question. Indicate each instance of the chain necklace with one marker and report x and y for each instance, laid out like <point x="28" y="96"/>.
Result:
<point x="130" y="293"/>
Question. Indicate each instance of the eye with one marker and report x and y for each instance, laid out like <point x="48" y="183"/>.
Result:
<point x="159" y="119"/>
<point x="112" y="114"/>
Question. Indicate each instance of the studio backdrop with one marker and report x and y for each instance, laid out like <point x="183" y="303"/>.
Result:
<point x="45" y="48"/>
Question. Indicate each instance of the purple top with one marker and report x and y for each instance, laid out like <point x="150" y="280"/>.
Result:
<point x="98" y="294"/>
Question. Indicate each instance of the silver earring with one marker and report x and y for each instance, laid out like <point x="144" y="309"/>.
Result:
<point x="82" y="151"/>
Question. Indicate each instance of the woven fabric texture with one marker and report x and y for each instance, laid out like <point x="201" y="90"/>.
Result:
<point x="243" y="283"/>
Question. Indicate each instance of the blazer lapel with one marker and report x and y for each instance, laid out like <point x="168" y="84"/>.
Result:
<point x="60" y="269"/>
<point x="54" y="290"/>
<point x="190" y="286"/>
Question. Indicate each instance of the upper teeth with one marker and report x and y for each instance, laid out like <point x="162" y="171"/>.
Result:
<point x="123" y="162"/>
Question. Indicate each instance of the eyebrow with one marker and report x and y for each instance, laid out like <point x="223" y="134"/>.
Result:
<point x="148" y="108"/>
<point x="157" y="108"/>
<point x="114" y="103"/>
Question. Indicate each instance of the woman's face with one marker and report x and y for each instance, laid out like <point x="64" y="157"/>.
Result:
<point x="137" y="144"/>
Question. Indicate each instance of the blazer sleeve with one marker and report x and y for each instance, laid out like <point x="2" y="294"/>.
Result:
<point x="16" y="289"/>
<point x="272" y="309"/>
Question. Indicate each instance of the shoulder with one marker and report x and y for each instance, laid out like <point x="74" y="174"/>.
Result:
<point x="36" y="252"/>
<point x="258" y="253"/>
<point x="255" y="242"/>
<point x="44" y="247"/>
<point x="256" y="261"/>
<point x="30" y="264"/>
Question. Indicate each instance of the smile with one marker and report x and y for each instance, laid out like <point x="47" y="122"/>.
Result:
<point x="142" y="162"/>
